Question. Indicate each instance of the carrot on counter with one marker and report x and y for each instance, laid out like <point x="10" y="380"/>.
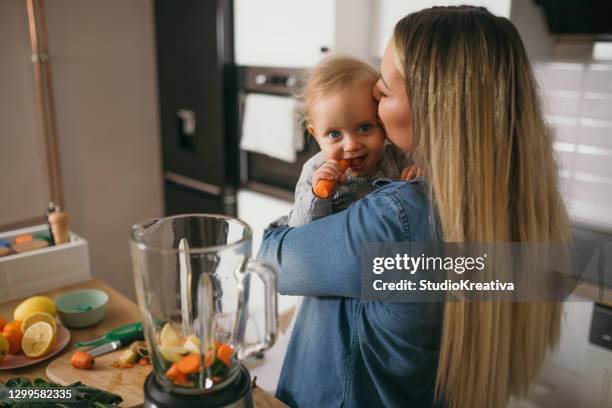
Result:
<point x="324" y="188"/>
<point x="225" y="353"/>
<point x="189" y="364"/>
<point x="82" y="360"/>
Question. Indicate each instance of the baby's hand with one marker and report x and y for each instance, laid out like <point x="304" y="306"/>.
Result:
<point x="330" y="170"/>
<point x="411" y="172"/>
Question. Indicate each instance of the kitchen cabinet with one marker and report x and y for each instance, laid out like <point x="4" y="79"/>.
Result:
<point x="296" y="33"/>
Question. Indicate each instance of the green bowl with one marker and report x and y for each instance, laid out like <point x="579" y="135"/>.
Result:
<point x="81" y="308"/>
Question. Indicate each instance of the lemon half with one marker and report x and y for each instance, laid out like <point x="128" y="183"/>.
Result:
<point x="38" y="340"/>
<point x="168" y="336"/>
<point x="38" y="317"/>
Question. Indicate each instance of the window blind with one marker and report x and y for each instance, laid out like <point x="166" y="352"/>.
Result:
<point x="577" y="104"/>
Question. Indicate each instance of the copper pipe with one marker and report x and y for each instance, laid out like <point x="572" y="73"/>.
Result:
<point x="44" y="90"/>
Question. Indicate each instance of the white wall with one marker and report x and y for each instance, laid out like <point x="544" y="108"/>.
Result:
<point x="104" y="77"/>
<point x="24" y="191"/>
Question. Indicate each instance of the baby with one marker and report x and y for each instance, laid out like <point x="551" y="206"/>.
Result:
<point x="341" y="114"/>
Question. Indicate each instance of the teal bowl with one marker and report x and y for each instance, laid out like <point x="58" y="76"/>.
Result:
<point x="81" y="308"/>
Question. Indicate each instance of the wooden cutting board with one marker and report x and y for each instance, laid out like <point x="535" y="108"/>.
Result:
<point x="126" y="382"/>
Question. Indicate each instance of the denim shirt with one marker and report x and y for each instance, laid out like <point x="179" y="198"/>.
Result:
<point x="344" y="351"/>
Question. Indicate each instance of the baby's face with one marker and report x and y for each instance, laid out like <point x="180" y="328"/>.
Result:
<point x="346" y="127"/>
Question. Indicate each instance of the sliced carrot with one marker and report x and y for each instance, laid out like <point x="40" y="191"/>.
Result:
<point x="182" y="380"/>
<point x="82" y="360"/>
<point x="173" y="372"/>
<point x="189" y="364"/>
<point x="225" y="353"/>
<point x="209" y="358"/>
<point x="143" y="361"/>
<point x="128" y="365"/>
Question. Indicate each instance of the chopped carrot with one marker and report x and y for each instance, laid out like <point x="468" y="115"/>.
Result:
<point x="189" y="364"/>
<point x="324" y="188"/>
<point x="128" y="365"/>
<point x="174" y="375"/>
<point x="172" y="372"/>
<point x="225" y="353"/>
<point x="143" y="361"/>
<point x="82" y="360"/>
<point x="182" y="380"/>
<point x="209" y="358"/>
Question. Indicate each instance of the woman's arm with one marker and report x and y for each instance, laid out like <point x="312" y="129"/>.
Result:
<point x="322" y="258"/>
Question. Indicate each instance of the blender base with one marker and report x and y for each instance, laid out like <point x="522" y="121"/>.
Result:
<point x="234" y="395"/>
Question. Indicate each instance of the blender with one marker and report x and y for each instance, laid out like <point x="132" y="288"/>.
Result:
<point x="192" y="275"/>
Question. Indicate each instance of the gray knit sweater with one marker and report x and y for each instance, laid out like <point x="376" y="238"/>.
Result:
<point x="308" y="207"/>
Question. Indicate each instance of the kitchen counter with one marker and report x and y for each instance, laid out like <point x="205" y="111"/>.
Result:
<point x="120" y="310"/>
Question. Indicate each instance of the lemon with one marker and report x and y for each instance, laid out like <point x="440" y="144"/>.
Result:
<point x="38" y="317"/>
<point x="4" y="347"/>
<point x="33" y="305"/>
<point x="168" y="336"/>
<point x="38" y="340"/>
<point x="192" y="344"/>
<point x="172" y="353"/>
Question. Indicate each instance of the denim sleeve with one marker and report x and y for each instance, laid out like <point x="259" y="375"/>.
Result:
<point x="322" y="258"/>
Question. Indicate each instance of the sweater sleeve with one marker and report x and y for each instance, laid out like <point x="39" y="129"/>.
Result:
<point x="308" y="207"/>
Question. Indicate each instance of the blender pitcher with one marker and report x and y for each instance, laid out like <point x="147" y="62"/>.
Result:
<point x="192" y="275"/>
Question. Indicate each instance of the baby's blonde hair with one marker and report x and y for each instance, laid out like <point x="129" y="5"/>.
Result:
<point x="331" y="75"/>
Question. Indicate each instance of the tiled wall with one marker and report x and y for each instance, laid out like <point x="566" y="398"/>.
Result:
<point x="577" y="103"/>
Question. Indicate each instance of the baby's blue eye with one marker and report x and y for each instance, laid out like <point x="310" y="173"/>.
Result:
<point x="334" y="134"/>
<point x="363" y="129"/>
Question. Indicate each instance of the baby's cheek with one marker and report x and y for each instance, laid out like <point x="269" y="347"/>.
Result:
<point x="379" y="144"/>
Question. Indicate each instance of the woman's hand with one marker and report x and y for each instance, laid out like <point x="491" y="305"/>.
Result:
<point x="411" y="172"/>
<point x="330" y="170"/>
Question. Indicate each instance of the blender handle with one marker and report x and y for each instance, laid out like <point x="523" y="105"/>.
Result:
<point x="267" y="274"/>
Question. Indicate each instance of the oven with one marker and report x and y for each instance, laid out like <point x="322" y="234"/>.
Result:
<point x="259" y="172"/>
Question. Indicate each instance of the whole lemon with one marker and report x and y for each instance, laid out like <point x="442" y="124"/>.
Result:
<point x="33" y="305"/>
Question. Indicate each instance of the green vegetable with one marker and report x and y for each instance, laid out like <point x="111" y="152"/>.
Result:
<point x="85" y="396"/>
<point x="218" y="369"/>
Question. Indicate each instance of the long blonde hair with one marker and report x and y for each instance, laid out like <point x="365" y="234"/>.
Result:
<point x="481" y="140"/>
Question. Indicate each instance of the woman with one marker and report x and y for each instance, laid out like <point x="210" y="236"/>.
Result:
<point x="457" y="91"/>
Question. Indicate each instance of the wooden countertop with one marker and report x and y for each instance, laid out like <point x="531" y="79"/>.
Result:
<point x="120" y="310"/>
<point x="596" y="293"/>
